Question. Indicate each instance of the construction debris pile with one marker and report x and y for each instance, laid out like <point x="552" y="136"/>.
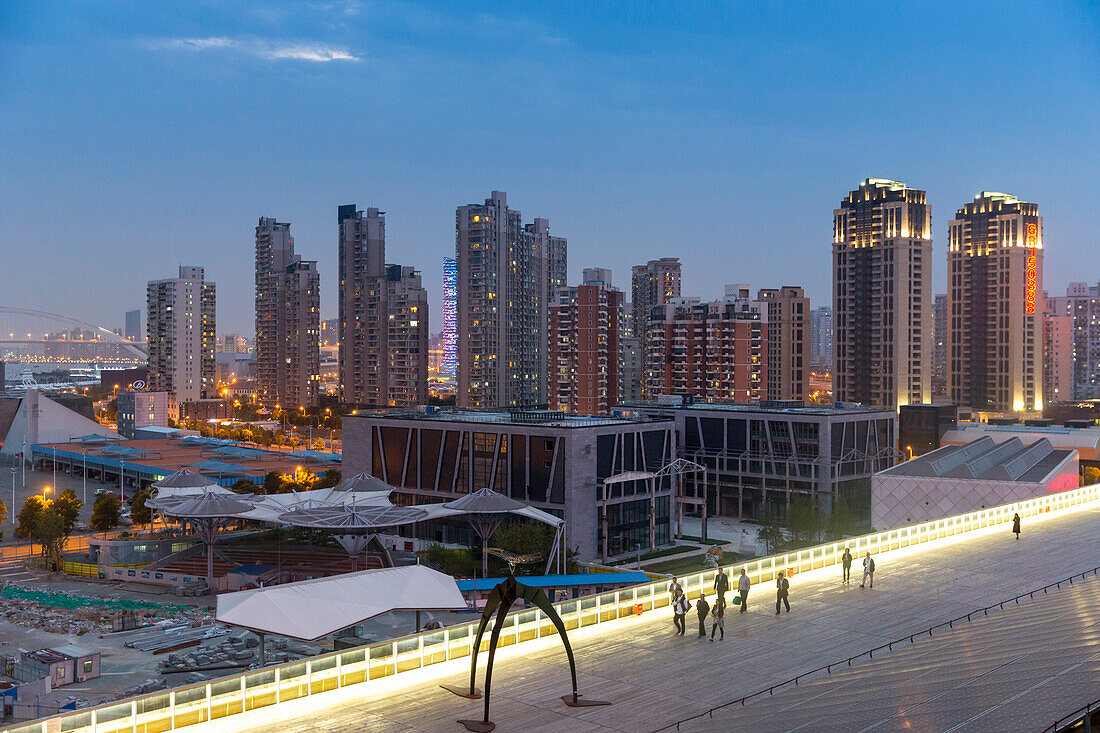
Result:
<point x="60" y="612"/>
<point x="170" y="637"/>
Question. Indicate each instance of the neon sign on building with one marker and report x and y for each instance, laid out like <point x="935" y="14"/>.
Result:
<point x="1032" y="236"/>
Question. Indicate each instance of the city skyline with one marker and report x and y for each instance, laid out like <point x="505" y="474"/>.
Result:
<point x="169" y="111"/>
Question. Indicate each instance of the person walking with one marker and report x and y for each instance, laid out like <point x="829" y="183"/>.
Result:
<point x="846" y="561"/>
<point x="1016" y="525"/>
<point x="743" y="585"/>
<point x="782" y="590"/>
<point x="868" y="571"/>
<point x="673" y="587"/>
<point x="719" y="614"/>
<point x="680" y="607"/>
<point x="702" y="608"/>
<point x="721" y="585"/>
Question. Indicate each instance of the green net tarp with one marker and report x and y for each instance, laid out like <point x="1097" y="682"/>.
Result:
<point x="69" y="601"/>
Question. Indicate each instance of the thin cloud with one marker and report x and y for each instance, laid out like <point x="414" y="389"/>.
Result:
<point x="267" y="50"/>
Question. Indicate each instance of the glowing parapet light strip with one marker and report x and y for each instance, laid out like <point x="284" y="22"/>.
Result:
<point x="427" y="656"/>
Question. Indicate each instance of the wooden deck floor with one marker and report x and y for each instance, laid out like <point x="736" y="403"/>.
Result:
<point x="655" y="678"/>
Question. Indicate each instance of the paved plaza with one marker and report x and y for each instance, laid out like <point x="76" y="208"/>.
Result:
<point x="655" y="678"/>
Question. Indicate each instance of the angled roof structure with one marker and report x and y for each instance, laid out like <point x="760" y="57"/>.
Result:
<point x="987" y="460"/>
<point x="312" y="609"/>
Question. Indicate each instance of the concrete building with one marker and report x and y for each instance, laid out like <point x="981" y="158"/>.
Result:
<point x="406" y="337"/>
<point x="633" y="366"/>
<point x="288" y="320"/>
<point x="707" y="351"/>
<point x="995" y="272"/>
<point x="506" y="272"/>
<point x="383" y="318"/>
<point x="882" y="299"/>
<point x="449" y="366"/>
<point x="1082" y="304"/>
<point x="652" y="285"/>
<point x="821" y="339"/>
<point x="939" y="345"/>
<point x="553" y="461"/>
<point x="1057" y="358"/>
<point x="139" y="409"/>
<point x="181" y="332"/>
<point x="960" y="479"/>
<point x="784" y="312"/>
<point x="62" y="665"/>
<point x="133" y="325"/>
<point x="734" y="349"/>
<point x="762" y="455"/>
<point x="585" y="351"/>
<point x="921" y="427"/>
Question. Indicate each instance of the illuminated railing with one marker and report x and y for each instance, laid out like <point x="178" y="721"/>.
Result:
<point x="183" y="706"/>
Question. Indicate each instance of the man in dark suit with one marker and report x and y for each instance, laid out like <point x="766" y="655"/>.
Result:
<point x="782" y="589"/>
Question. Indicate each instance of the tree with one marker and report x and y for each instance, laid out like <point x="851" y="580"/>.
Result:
<point x="68" y="508"/>
<point x="140" y="513"/>
<point x="805" y="522"/>
<point x="318" y="444"/>
<point x="770" y="532"/>
<point x="106" y="512"/>
<point x="524" y="538"/>
<point x="51" y="530"/>
<point x="273" y="483"/>
<point x="842" y="521"/>
<point x="3" y="513"/>
<point x="28" y="516"/>
<point x="329" y="479"/>
<point x="246" y="486"/>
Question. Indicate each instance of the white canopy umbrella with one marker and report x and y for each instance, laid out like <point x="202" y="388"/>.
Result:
<point x="486" y="509"/>
<point x="208" y="513"/>
<point x="185" y="482"/>
<point x="352" y="525"/>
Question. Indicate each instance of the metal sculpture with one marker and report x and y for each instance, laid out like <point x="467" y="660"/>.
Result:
<point x="500" y="600"/>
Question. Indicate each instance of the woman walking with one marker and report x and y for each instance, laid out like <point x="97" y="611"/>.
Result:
<point x="719" y="614"/>
<point x="1016" y="525"/>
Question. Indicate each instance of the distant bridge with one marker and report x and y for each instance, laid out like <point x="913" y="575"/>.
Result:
<point x="37" y="325"/>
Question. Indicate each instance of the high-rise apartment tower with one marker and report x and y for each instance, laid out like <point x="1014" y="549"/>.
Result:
<point x="449" y="366"/>
<point x="506" y="272"/>
<point x="288" y="320"/>
<point x="180" y="329"/>
<point x="882" y="299"/>
<point x="383" y="318"/>
<point x="585" y="345"/>
<point x="995" y="306"/>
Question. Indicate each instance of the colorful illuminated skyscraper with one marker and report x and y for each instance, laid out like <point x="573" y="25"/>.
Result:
<point x="450" y="317"/>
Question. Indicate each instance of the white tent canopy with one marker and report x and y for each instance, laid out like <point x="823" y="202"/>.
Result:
<point x="313" y="609"/>
<point x="187" y="483"/>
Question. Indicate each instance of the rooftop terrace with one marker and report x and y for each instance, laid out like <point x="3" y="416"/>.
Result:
<point x="984" y="680"/>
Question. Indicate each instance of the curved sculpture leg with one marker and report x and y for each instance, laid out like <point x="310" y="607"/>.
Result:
<point x="538" y="597"/>
<point x="491" y="604"/>
<point x="485" y="725"/>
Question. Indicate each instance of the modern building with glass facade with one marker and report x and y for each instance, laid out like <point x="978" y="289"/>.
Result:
<point x="764" y="455"/>
<point x="995" y="316"/>
<point x="553" y="461"/>
<point x="882" y="296"/>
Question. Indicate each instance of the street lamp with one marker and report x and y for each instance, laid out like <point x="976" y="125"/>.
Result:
<point x="45" y="491"/>
<point x="12" y="512"/>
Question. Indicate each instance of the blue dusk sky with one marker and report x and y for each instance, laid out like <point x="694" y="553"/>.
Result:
<point x="138" y="136"/>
